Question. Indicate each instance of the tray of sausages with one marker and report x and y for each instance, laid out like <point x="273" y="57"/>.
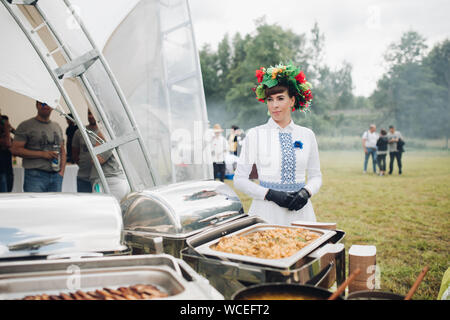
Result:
<point x="135" y="292"/>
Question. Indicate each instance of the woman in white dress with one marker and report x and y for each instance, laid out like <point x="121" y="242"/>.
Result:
<point x="285" y="154"/>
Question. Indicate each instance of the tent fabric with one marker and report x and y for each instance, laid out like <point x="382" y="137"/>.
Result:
<point x="150" y="48"/>
<point x="153" y="56"/>
<point x="21" y="68"/>
<point x="109" y="12"/>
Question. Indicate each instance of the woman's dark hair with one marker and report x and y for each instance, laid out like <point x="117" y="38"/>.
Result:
<point x="383" y="132"/>
<point x="276" y="90"/>
<point x="284" y="84"/>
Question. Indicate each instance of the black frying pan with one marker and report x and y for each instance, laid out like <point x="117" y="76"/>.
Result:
<point x="302" y="291"/>
<point x="374" y="295"/>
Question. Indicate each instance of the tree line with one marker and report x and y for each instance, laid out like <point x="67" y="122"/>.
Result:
<point x="412" y="94"/>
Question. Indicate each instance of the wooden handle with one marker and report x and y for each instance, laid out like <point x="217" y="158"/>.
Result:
<point x="345" y="284"/>
<point x="416" y="284"/>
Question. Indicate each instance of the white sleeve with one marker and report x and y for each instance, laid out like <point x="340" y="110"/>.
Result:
<point x="314" y="175"/>
<point x="244" y="167"/>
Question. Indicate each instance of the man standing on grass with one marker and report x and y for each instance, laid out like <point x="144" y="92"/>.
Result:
<point x="369" y="142"/>
<point x="393" y="138"/>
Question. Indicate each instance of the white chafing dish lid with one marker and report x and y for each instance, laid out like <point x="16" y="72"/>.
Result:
<point x="43" y="224"/>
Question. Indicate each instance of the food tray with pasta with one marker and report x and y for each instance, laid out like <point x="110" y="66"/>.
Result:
<point x="265" y="244"/>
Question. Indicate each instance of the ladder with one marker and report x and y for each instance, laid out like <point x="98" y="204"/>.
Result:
<point x="98" y="84"/>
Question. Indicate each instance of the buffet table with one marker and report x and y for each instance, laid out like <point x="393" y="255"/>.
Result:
<point x="69" y="183"/>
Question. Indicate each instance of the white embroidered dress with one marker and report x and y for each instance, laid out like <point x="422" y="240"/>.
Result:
<point x="281" y="166"/>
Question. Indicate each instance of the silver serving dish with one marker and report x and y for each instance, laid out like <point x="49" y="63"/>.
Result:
<point x="162" y="218"/>
<point x="207" y="249"/>
<point x="229" y="276"/>
<point x="58" y="225"/>
<point x="169" y="275"/>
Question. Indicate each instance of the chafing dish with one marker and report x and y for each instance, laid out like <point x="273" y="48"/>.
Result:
<point x="207" y="249"/>
<point x="161" y="219"/>
<point x="59" y="225"/>
<point x="229" y="276"/>
<point x="170" y="275"/>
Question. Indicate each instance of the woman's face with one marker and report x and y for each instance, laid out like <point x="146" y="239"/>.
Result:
<point x="280" y="107"/>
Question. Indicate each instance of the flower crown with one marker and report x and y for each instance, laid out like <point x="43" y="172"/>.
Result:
<point x="288" y="76"/>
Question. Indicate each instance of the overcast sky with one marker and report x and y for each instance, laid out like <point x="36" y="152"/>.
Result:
<point x="358" y="31"/>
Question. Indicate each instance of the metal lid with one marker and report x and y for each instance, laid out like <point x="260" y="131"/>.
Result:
<point x="44" y="224"/>
<point x="182" y="209"/>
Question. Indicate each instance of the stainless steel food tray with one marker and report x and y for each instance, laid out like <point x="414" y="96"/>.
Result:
<point x="207" y="250"/>
<point x="56" y="277"/>
<point x="55" y="283"/>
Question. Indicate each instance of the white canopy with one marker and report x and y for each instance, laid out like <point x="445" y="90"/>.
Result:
<point x="150" y="48"/>
<point x="21" y="68"/>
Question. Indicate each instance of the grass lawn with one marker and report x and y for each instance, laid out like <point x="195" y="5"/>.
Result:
<point x="406" y="217"/>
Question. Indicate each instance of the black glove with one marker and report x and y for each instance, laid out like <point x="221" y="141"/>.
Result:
<point x="283" y="199"/>
<point x="300" y="200"/>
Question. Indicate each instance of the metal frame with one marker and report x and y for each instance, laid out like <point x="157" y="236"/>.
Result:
<point x="119" y="93"/>
<point x="75" y="68"/>
<point x="61" y="90"/>
<point x="207" y="171"/>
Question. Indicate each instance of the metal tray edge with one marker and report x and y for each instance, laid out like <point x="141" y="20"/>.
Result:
<point x="284" y="263"/>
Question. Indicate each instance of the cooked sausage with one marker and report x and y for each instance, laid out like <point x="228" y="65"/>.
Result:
<point x="65" y="296"/>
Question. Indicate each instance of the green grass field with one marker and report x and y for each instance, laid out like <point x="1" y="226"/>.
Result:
<point x="406" y="217"/>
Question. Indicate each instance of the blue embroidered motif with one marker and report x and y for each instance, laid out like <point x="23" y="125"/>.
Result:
<point x="288" y="158"/>
<point x="286" y="187"/>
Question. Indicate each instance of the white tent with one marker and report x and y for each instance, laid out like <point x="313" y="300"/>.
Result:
<point x="150" y="49"/>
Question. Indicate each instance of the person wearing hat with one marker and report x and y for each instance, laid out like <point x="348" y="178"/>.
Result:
<point x="285" y="154"/>
<point x="40" y="142"/>
<point x="219" y="148"/>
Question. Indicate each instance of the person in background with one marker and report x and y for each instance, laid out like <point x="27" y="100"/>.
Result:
<point x="40" y="142"/>
<point x="382" y="145"/>
<point x="285" y="154"/>
<point x="88" y="179"/>
<point x="6" y="171"/>
<point x="219" y="147"/>
<point x="393" y="138"/>
<point x="240" y="135"/>
<point x="232" y="146"/>
<point x="82" y="157"/>
<point x="70" y="131"/>
<point x="369" y="143"/>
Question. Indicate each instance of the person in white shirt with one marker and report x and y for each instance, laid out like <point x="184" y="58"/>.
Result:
<point x="369" y="142"/>
<point x="219" y="148"/>
<point x="286" y="155"/>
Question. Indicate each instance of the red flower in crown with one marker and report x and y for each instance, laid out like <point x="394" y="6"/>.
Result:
<point x="301" y="77"/>
<point x="260" y="74"/>
<point x="308" y="95"/>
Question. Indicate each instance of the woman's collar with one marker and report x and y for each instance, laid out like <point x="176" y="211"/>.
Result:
<point x="273" y="124"/>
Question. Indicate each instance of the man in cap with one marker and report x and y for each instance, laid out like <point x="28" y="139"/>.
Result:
<point x="39" y="141"/>
<point x="369" y="143"/>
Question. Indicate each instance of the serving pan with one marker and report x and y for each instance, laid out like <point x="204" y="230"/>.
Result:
<point x="294" y="290"/>
<point x="206" y="249"/>
<point x="374" y="295"/>
<point x="57" y="282"/>
<point x="169" y="275"/>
